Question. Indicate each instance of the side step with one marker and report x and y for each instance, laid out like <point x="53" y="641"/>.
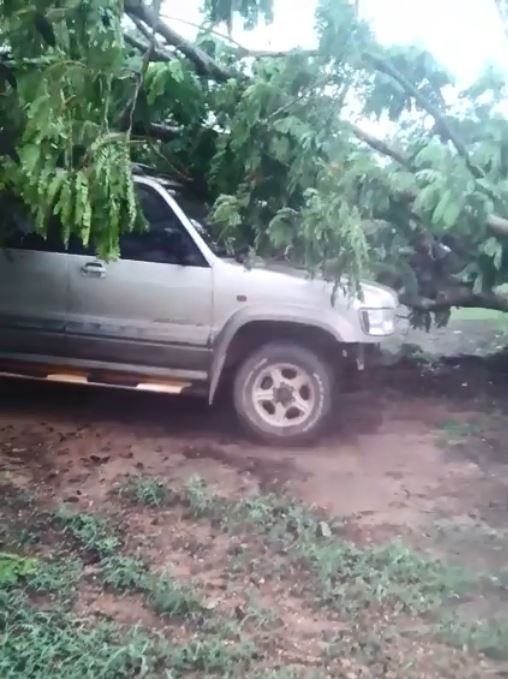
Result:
<point x="162" y="382"/>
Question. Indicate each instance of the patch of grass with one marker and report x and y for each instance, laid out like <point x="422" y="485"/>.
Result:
<point x="124" y="573"/>
<point x="37" y="644"/>
<point x="213" y="655"/>
<point x="257" y="614"/>
<point x="487" y="637"/>
<point x="459" y="429"/>
<point x="168" y="597"/>
<point x="343" y="574"/>
<point x="288" y="673"/>
<point x="147" y="491"/>
<point x="163" y="594"/>
<point x="353" y="577"/>
<point x="92" y="532"/>
<point x="14" y="568"/>
<point x="59" y="576"/>
<point x="199" y="500"/>
<point x="466" y="314"/>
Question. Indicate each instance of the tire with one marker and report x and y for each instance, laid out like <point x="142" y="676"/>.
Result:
<point x="283" y="393"/>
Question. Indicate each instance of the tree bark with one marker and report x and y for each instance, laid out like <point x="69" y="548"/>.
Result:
<point x="204" y="64"/>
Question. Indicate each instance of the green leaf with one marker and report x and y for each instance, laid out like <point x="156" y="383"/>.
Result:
<point x="452" y="212"/>
<point x="14" y="568"/>
<point x="176" y="69"/>
<point x="493" y="248"/>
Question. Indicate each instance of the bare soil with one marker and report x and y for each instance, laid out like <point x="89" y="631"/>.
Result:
<point x="416" y="452"/>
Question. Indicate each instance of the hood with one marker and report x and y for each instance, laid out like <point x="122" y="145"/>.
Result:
<point x="371" y="294"/>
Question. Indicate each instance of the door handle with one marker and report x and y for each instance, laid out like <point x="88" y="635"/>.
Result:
<point x="94" y="270"/>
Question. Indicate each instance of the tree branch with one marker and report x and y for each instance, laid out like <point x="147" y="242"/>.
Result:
<point x="204" y="64"/>
<point x="155" y="54"/>
<point x="388" y="69"/>
<point x="458" y="297"/>
<point x="381" y="146"/>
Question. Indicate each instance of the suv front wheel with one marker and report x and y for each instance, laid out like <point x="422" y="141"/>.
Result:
<point x="283" y="393"/>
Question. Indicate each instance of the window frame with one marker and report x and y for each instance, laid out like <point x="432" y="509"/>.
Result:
<point x="207" y="255"/>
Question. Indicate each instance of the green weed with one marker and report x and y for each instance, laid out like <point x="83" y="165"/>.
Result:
<point x="199" y="500"/>
<point x="37" y="644"/>
<point x="257" y="614"/>
<point x="457" y="431"/>
<point x="93" y="533"/>
<point x="213" y="655"/>
<point x="14" y="568"/>
<point x="487" y="637"/>
<point x="124" y="573"/>
<point x="168" y="597"/>
<point x="343" y="574"/>
<point x="288" y="673"/>
<point x="55" y="576"/>
<point x="357" y="577"/>
<point x="146" y="491"/>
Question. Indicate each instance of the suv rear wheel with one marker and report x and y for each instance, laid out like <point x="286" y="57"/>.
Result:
<point x="283" y="393"/>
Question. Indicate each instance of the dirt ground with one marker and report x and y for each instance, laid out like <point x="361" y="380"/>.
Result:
<point x="414" y="452"/>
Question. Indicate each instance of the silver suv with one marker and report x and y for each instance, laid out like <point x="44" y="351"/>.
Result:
<point x="173" y="316"/>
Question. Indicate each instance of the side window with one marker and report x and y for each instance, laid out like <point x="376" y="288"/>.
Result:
<point x="20" y="233"/>
<point x="165" y="241"/>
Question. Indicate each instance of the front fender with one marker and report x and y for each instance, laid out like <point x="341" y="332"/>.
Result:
<point x="294" y="315"/>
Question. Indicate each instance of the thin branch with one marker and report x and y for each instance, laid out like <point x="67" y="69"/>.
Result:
<point x="131" y="106"/>
<point x="204" y="64"/>
<point x="385" y="67"/>
<point x="241" y="49"/>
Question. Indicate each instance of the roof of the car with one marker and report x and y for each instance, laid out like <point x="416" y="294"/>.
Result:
<point x="166" y="180"/>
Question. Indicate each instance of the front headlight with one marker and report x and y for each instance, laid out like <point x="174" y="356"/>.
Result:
<point x="378" y="322"/>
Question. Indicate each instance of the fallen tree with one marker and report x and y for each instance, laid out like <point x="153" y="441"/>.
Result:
<point x="279" y="143"/>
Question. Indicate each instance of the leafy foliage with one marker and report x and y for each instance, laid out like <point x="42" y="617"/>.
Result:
<point x="268" y="140"/>
<point x="14" y="568"/>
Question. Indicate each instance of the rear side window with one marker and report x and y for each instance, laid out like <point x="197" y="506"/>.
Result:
<point x="19" y="231"/>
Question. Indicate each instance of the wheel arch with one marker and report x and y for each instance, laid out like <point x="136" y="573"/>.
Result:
<point x="243" y="335"/>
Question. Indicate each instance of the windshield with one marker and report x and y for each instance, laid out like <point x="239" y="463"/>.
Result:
<point x="207" y="237"/>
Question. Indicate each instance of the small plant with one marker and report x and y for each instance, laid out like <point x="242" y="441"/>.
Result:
<point x="92" y="532"/>
<point x="56" y="576"/>
<point x="213" y="655"/>
<point x="124" y="573"/>
<point x="199" y="499"/>
<point x="456" y="431"/>
<point x="14" y="568"/>
<point x="395" y="574"/>
<point x="257" y="614"/>
<point x="487" y="637"/>
<point x="146" y="491"/>
<point x="166" y="596"/>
